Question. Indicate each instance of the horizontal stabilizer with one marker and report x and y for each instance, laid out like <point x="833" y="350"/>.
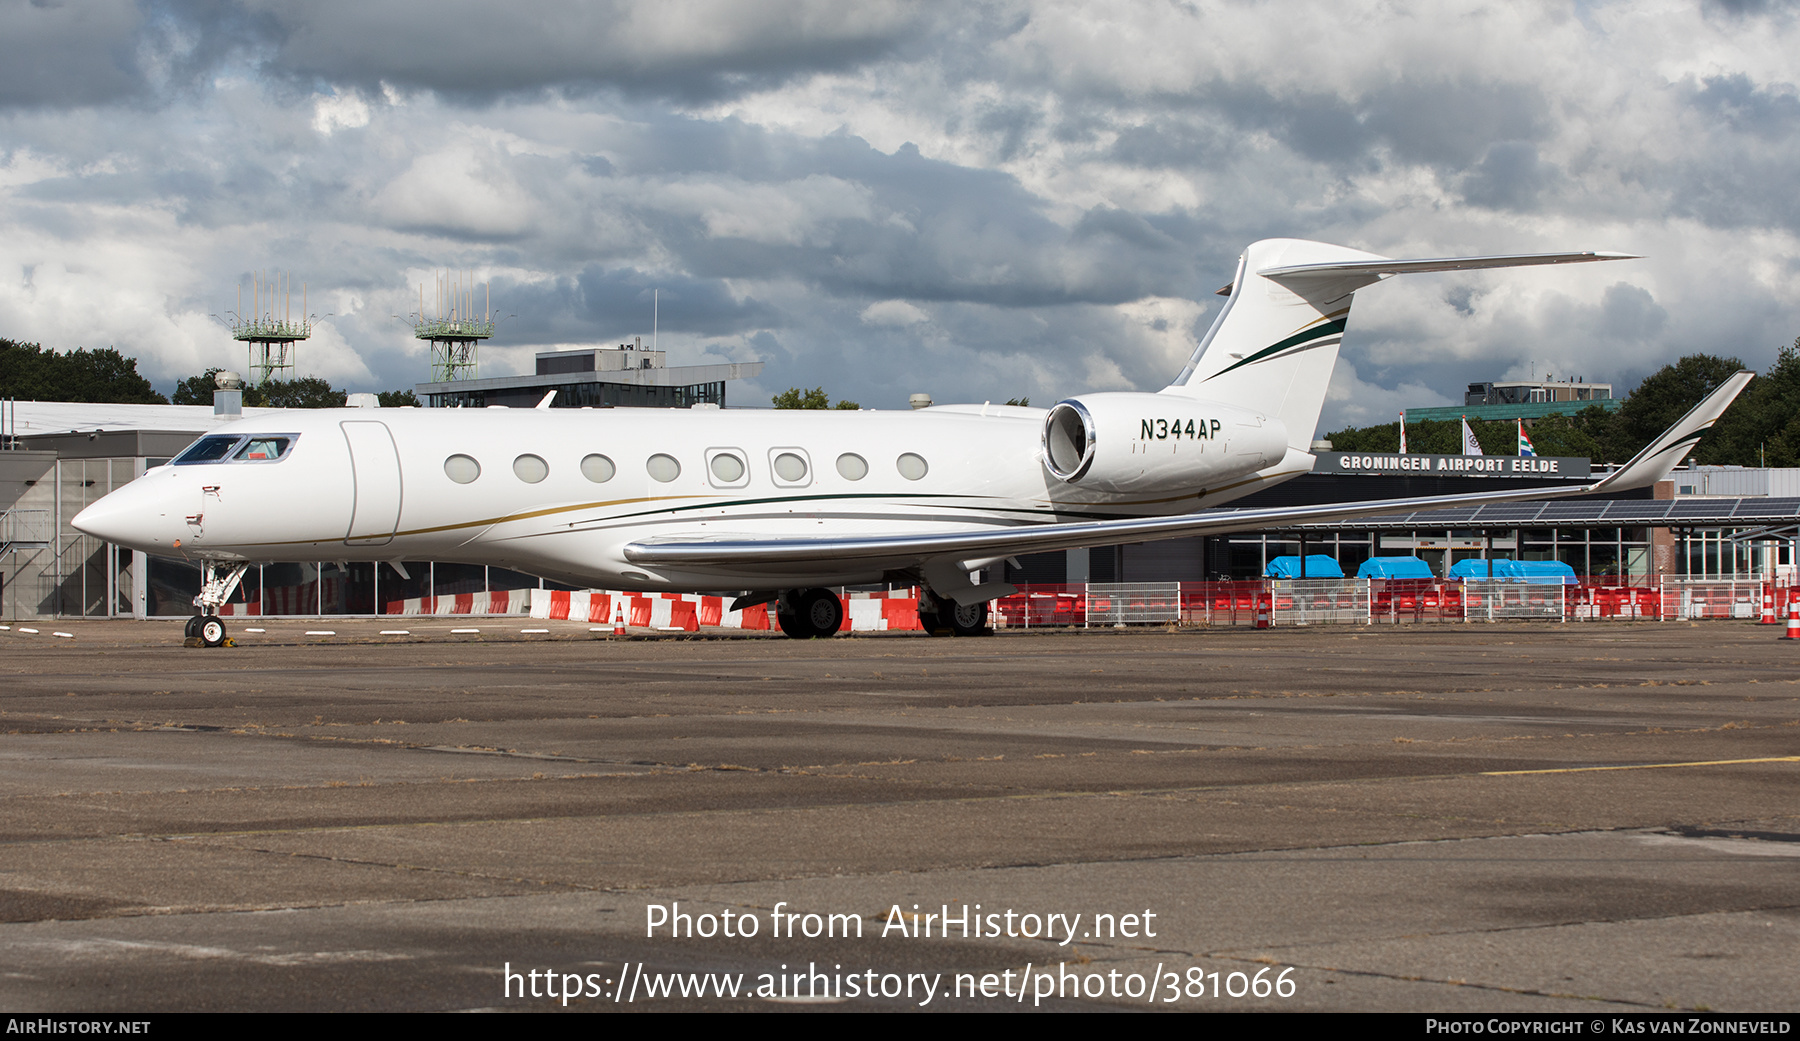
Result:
<point x="1374" y="269"/>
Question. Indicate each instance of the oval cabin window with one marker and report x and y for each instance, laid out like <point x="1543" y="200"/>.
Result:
<point x="662" y="467"/>
<point x="462" y="469"/>
<point x="852" y="467"/>
<point x="598" y="469"/>
<point x="530" y="468"/>
<point x="727" y="468"/>
<point x="911" y="466"/>
<point x="790" y="467"/>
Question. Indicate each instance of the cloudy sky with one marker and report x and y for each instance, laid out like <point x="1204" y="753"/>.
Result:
<point x="980" y="201"/>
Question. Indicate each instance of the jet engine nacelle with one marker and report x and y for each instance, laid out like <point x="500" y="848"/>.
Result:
<point x="1127" y="442"/>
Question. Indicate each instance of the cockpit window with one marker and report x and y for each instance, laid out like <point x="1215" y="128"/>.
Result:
<point x="263" y="449"/>
<point x="208" y="450"/>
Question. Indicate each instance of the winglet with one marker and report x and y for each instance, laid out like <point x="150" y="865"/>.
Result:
<point x="1660" y="456"/>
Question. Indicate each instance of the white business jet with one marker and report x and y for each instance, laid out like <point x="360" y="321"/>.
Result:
<point x="779" y="505"/>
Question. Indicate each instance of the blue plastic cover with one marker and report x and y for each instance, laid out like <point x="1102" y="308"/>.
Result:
<point x="1532" y="572"/>
<point x="1318" y="565"/>
<point x="1394" y="567"/>
<point x="1478" y="568"/>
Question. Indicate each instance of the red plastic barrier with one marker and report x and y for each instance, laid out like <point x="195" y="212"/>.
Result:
<point x="904" y="614"/>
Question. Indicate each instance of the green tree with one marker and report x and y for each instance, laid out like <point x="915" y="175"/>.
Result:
<point x="1023" y="402"/>
<point x="30" y="372"/>
<point x="1763" y="426"/>
<point x="195" y="390"/>
<point x="311" y="392"/>
<point x="306" y="392"/>
<point x="1577" y="435"/>
<point x="794" y="397"/>
<point x="1664" y="397"/>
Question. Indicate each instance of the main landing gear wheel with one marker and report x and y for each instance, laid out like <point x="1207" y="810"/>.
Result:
<point x="193" y="627"/>
<point x="968" y="619"/>
<point x="212" y="631"/>
<point x="806" y="613"/>
<point x="938" y="616"/>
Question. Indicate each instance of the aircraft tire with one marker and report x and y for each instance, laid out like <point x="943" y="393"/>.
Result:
<point x="788" y="619"/>
<point x="212" y="631"/>
<point x="193" y="627"/>
<point x="821" y="612"/>
<point x="934" y="613"/>
<point x="968" y="619"/>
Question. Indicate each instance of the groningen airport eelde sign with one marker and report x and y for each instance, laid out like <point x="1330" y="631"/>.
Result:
<point x="1414" y="464"/>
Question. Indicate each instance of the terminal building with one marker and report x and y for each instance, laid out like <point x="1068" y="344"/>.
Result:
<point x="1528" y="400"/>
<point x="600" y="377"/>
<point x="1706" y="522"/>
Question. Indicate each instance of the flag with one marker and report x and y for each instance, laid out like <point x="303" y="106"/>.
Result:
<point x="1525" y="445"/>
<point x="1470" y="445"/>
<point x="1402" y="433"/>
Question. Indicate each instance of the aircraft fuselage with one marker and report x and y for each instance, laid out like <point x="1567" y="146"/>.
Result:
<point x="561" y="492"/>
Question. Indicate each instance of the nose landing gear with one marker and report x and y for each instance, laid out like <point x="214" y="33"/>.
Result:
<point x="207" y="629"/>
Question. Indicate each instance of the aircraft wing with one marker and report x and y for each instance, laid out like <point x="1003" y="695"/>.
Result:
<point x="912" y="550"/>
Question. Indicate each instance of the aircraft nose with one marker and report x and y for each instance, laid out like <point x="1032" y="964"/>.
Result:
<point x="125" y="517"/>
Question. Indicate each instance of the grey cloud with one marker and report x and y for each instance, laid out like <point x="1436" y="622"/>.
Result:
<point x="1741" y="167"/>
<point x="113" y="51"/>
<point x="1444" y="124"/>
<point x="76" y="53"/>
<point x="475" y="50"/>
<point x="1509" y="177"/>
<point x="1769" y="112"/>
<point x="941" y="231"/>
<point x="601" y="305"/>
<point x="1747" y="8"/>
<point x="1171" y="141"/>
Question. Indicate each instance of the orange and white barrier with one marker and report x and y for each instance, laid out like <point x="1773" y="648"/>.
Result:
<point x="864" y="612"/>
<point x="503" y="602"/>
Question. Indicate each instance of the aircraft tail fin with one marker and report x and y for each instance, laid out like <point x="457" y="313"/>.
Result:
<point x="1274" y="344"/>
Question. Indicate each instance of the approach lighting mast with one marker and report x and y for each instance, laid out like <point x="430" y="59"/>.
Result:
<point x="268" y="328"/>
<point x="453" y="327"/>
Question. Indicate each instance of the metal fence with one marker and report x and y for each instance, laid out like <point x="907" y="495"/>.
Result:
<point x="1487" y="600"/>
<point x="1319" y="601"/>
<point x="1132" y="603"/>
<point x="1703" y="598"/>
<point x="1357" y="601"/>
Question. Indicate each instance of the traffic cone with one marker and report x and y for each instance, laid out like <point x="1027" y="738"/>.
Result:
<point x="1262" y="612"/>
<point x="618" y="622"/>
<point x="1768" y="610"/>
<point x="1793" y="626"/>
